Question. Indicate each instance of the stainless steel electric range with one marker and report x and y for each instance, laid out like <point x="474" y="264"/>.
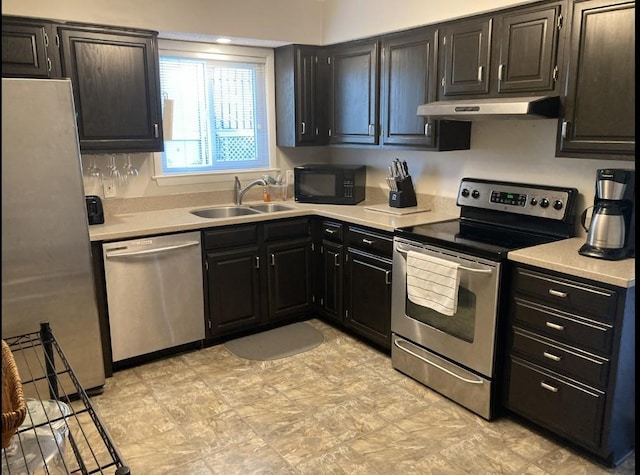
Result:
<point x="455" y="352"/>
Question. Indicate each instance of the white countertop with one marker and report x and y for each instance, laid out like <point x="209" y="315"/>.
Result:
<point x="147" y="223"/>
<point x="562" y="256"/>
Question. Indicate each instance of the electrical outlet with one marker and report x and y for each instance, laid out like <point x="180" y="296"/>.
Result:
<point x="109" y="188"/>
<point x="289" y="177"/>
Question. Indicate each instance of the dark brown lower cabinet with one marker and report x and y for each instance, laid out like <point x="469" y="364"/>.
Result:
<point x="234" y="289"/>
<point x="332" y="277"/>
<point x="256" y="274"/>
<point x="289" y="277"/>
<point x="368" y="296"/>
<point x="570" y="365"/>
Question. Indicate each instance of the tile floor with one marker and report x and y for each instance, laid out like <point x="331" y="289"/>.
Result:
<point x="337" y="409"/>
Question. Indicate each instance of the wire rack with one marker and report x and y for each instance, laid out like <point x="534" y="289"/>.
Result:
<point x="62" y="433"/>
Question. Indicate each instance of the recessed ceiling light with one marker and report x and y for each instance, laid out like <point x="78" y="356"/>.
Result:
<point x="223" y="40"/>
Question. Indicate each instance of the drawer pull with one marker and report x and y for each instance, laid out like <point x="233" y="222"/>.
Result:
<point x="554" y="326"/>
<point x="367" y="241"/>
<point x="548" y="387"/>
<point x="551" y="356"/>
<point x="557" y="293"/>
<point x="330" y="231"/>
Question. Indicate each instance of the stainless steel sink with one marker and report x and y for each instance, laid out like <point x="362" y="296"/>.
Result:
<point x="224" y="212"/>
<point x="271" y="207"/>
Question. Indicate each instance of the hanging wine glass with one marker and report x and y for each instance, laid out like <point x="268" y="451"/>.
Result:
<point x="129" y="172"/>
<point x="114" y="172"/>
<point x="94" y="178"/>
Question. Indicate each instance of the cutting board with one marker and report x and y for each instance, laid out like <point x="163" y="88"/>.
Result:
<point x="385" y="208"/>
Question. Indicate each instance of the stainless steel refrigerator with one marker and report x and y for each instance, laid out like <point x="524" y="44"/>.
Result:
<point x="46" y="252"/>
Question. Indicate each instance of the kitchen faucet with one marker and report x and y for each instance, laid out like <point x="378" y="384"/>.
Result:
<point x="239" y="192"/>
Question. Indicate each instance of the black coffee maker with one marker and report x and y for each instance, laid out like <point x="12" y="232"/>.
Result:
<point x="611" y="234"/>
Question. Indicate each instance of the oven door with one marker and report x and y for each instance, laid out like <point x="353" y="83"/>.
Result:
<point x="466" y="338"/>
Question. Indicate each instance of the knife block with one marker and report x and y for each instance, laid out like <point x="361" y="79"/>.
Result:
<point x="405" y="196"/>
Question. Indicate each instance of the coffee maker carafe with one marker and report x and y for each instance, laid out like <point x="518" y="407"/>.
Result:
<point x="611" y="234"/>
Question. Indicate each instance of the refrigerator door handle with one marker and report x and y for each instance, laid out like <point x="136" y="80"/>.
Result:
<point x="154" y="250"/>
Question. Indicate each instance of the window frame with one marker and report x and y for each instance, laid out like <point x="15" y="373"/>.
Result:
<point x="225" y="53"/>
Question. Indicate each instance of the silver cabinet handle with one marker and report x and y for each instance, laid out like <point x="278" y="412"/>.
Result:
<point x="427" y="129"/>
<point x="480" y="71"/>
<point x="470" y="381"/>
<point x="330" y="231"/>
<point x="551" y="356"/>
<point x="304" y="129"/>
<point x="336" y="260"/>
<point x="387" y="277"/>
<point x="548" y="387"/>
<point x="156" y="131"/>
<point x="273" y="259"/>
<point x="257" y="262"/>
<point x="500" y="72"/>
<point x="554" y="326"/>
<point x="557" y="293"/>
<point x="565" y="129"/>
<point x="154" y="250"/>
<point x="367" y="241"/>
<point x="372" y="129"/>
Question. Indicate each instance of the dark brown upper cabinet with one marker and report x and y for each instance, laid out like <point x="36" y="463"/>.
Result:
<point x="354" y="93"/>
<point x="408" y="79"/>
<point x="28" y="48"/>
<point x="599" y="103"/>
<point x="513" y="52"/>
<point x="300" y="91"/>
<point x="526" y="49"/>
<point x="465" y="57"/>
<point x="116" y="86"/>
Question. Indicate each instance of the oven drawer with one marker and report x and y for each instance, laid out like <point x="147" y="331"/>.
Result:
<point x="369" y="241"/>
<point x="570" y="409"/>
<point x="464" y="387"/>
<point x="564" y="327"/>
<point x="573" y="362"/>
<point x="576" y="296"/>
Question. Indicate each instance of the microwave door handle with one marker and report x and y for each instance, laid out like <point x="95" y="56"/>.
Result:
<point x="466" y="269"/>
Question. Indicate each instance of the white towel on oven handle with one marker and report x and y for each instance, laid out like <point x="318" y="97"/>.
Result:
<point x="433" y="282"/>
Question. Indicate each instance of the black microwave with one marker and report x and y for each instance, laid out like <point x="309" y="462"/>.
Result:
<point x="330" y="184"/>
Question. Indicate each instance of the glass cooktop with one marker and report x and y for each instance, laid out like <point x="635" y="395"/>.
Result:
<point x="481" y="240"/>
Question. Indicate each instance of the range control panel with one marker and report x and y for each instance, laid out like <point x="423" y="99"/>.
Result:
<point x="521" y="198"/>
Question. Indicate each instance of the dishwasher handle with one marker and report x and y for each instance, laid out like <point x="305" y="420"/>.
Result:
<point x="153" y="250"/>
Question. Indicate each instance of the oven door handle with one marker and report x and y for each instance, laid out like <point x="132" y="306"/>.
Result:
<point x="421" y="358"/>
<point x="466" y="269"/>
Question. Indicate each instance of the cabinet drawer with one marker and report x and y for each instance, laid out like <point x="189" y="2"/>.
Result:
<point x="568" y="408"/>
<point x="231" y="236"/>
<point x="286" y="229"/>
<point x="570" y="361"/>
<point x="370" y="241"/>
<point x="574" y="295"/>
<point x="332" y="231"/>
<point x="564" y="327"/>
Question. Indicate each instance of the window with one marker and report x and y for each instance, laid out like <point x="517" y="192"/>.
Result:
<point x="217" y="111"/>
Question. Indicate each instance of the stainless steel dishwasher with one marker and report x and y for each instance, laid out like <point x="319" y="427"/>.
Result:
<point x="154" y="293"/>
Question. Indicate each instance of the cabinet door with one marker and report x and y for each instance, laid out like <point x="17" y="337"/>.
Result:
<point x="28" y="49"/>
<point x="368" y="296"/>
<point x="528" y="42"/>
<point x="332" y="279"/>
<point x="289" y="281"/>
<point x="306" y="96"/>
<point x="354" y="94"/>
<point x="233" y="281"/>
<point x="466" y="48"/>
<point x="599" y="107"/>
<point x="116" y="88"/>
<point x="408" y="80"/>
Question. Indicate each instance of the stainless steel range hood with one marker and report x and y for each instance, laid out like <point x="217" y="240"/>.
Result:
<point x="540" y="107"/>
